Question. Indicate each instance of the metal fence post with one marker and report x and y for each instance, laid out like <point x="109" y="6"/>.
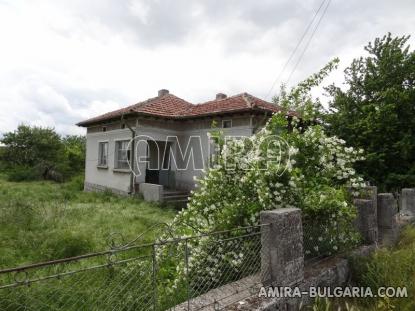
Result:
<point x="154" y="277"/>
<point x="186" y="256"/>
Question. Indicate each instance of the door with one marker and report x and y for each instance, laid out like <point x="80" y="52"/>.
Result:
<point x="152" y="171"/>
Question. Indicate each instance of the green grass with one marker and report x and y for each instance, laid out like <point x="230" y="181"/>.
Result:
<point x="394" y="267"/>
<point x="44" y="220"/>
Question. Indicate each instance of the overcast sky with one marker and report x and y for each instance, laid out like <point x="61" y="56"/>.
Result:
<point x="64" y="61"/>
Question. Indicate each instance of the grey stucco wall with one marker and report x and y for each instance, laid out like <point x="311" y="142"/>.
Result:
<point x="159" y="131"/>
<point x="106" y="177"/>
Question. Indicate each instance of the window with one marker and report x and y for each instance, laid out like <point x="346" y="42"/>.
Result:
<point x="122" y="154"/>
<point x="226" y="124"/>
<point x="103" y="154"/>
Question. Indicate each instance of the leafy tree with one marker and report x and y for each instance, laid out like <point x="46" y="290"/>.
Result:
<point x="377" y="111"/>
<point x="74" y="152"/>
<point x="31" y="148"/>
<point x="32" y="152"/>
<point x="299" y="99"/>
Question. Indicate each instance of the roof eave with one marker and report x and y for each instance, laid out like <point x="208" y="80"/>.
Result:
<point x="179" y="117"/>
<point x="88" y="123"/>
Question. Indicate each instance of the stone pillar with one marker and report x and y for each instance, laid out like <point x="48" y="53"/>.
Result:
<point x="282" y="257"/>
<point x="387" y="218"/>
<point x="408" y="201"/>
<point x="372" y="194"/>
<point x="366" y="220"/>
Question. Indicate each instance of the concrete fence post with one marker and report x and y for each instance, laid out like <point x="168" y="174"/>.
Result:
<point x="366" y="221"/>
<point x="408" y="201"/>
<point x="282" y="256"/>
<point x="387" y="218"/>
<point x="372" y="194"/>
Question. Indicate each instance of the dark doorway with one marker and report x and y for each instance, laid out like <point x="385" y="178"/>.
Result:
<point x="159" y="164"/>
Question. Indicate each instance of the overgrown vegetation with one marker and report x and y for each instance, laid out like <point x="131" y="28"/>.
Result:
<point x="45" y="220"/>
<point x="286" y="164"/>
<point x="376" y="111"/>
<point x="393" y="267"/>
<point x="34" y="153"/>
<point x="387" y="267"/>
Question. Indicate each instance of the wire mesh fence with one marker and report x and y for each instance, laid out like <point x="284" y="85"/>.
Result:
<point x="206" y="272"/>
<point x="325" y="237"/>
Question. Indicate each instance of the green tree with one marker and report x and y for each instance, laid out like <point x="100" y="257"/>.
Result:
<point x="74" y="152"/>
<point x="376" y="111"/>
<point x="33" y="149"/>
<point x="32" y="152"/>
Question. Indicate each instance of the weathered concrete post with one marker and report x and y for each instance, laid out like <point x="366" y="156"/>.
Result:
<point x="282" y="259"/>
<point x="366" y="221"/>
<point x="408" y="201"/>
<point x="372" y="194"/>
<point x="387" y="221"/>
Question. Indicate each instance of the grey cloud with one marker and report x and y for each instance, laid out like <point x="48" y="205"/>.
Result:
<point x="170" y="22"/>
<point x="269" y="27"/>
<point x="41" y="100"/>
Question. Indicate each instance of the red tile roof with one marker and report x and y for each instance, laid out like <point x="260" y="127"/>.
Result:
<point x="172" y="107"/>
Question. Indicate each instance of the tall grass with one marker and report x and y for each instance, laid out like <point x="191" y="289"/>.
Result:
<point x="393" y="267"/>
<point x="387" y="267"/>
<point x="44" y="220"/>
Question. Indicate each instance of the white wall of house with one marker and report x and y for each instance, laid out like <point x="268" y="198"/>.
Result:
<point x="107" y="177"/>
<point x="193" y="135"/>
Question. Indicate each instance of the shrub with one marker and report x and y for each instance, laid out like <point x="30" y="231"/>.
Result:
<point x="285" y="164"/>
<point x="23" y="173"/>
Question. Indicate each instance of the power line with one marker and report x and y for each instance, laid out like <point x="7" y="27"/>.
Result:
<point x="296" y="48"/>
<point x="308" y="42"/>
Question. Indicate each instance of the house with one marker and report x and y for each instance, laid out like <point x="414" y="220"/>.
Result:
<point x="158" y="146"/>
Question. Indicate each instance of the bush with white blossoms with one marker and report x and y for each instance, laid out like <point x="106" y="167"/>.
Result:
<point x="291" y="162"/>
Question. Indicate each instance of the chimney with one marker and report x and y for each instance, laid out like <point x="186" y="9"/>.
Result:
<point x="220" y="96"/>
<point x="163" y="92"/>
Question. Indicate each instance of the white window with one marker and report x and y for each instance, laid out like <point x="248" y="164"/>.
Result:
<point x="226" y="124"/>
<point x="103" y="154"/>
<point x="122" y="154"/>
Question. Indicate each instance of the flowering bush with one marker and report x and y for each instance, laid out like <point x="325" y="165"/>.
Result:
<point x="285" y="164"/>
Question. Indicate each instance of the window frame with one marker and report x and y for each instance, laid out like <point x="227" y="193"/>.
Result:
<point x="117" y="151"/>
<point x="100" y="162"/>
<point x="226" y="120"/>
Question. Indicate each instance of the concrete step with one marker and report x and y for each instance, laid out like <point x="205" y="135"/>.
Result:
<point x="177" y="196"/>
<point x="173" y="192"/>
<point x="184" y="201"/>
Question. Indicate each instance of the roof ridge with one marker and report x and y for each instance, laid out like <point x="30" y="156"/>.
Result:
<point x="222" y="99"/>
<point x="172" y="106"/>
